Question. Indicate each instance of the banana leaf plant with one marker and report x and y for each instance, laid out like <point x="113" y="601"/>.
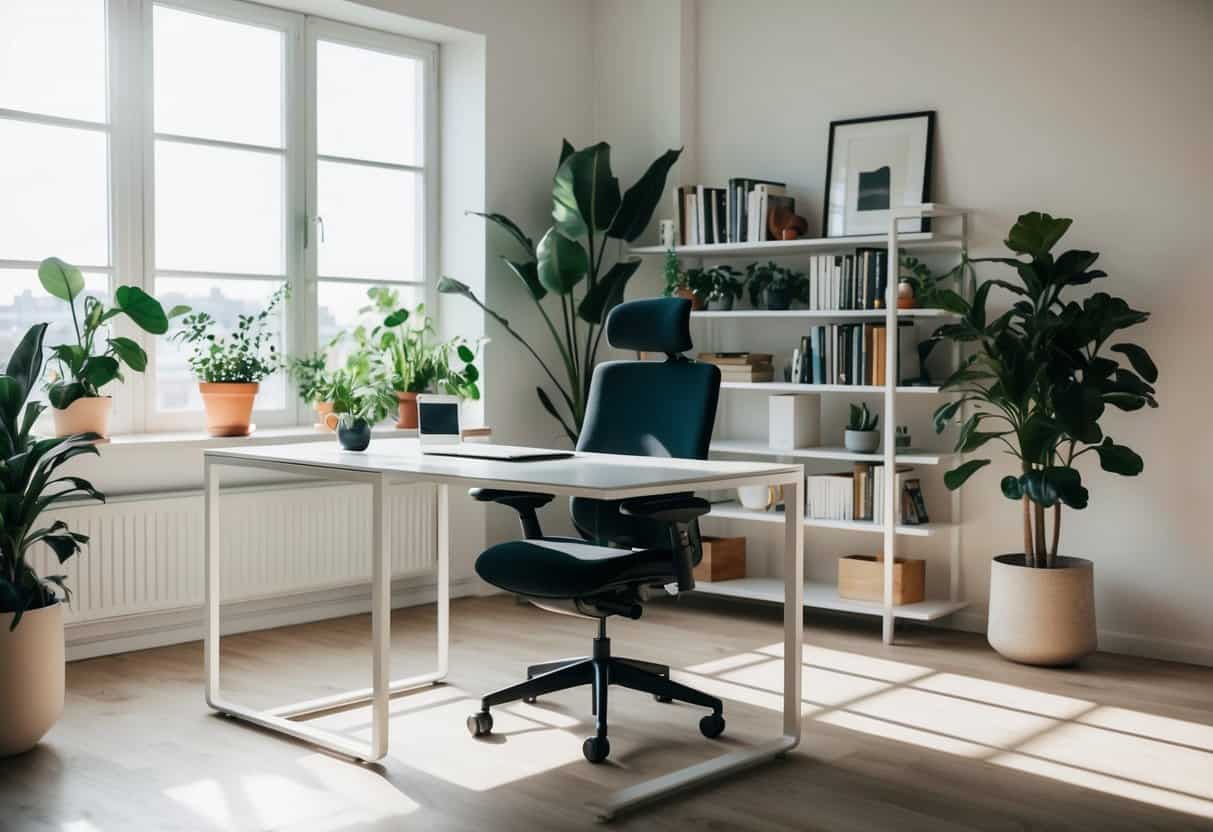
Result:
<point x="29" y="485"/>
<point x="569" y="263"/>
<point x="1040" y="380"/>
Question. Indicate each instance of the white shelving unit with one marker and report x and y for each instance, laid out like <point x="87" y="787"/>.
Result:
<point x="825" y="596"/>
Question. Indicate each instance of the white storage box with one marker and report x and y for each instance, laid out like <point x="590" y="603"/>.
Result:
<point x="795" y="421"/>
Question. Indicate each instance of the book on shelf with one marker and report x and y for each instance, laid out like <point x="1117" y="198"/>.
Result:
<point x="745" y="373"/>
<point x="848" y="281"/>
<point x="858" y="494"/>
<point x="739" y="213"/>
<point x="843" y="354"/>
<point x="736" y="358"/>
<point x="708" y="214"/>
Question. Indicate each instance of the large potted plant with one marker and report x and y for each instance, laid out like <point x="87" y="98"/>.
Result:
<point x="31" y="614"/>
<point x="415" y="362"/>
<point x="570" y="264"/>
<point x="1039" y="381"/>
<point x="230" y="368"/>
<point x="96" y="358"/>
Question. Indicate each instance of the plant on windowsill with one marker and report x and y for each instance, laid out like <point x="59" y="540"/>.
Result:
<point x="85" y="367"/>
<point x="588" y="212"/>
<point x="861" y="435"/>
<point x="725" y="285"/>
<point x="313" y="380"/>
<point x="357" y="407"/>
<point x="773" y="287"/>
<point x="1039" y="382"/>
<point x="31" y="615"/>
<point x="230" y="368"/>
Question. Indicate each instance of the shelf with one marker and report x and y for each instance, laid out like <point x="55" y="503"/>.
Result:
<point x="820" y="245"/>
<point x="733" y="511"/>
<point x="824" y="596"/>
<point x="793" y="387"/>
<point x="819" y="314"/>
<point x="756" y="448"/>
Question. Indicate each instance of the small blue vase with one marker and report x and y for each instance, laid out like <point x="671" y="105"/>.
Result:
<point x="354" y="434"/>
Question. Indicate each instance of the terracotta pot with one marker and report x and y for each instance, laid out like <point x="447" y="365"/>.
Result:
<point x="696" y="301"/>
<point x="407" y="416"/>
<point x="229" y="407"/>
<point x="1042" y="616"/>
<point x="323" y="409"/>
<point x="905" y="296"/>
<point x="88" y="415"/>
<point x="31" y="684"/>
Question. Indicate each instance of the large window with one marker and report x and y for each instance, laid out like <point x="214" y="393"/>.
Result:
<point x="245" y="147"/>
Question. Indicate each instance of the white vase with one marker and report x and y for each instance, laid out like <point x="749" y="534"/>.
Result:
<point x="31" y="677"/>
<point x="1042" y="616"/>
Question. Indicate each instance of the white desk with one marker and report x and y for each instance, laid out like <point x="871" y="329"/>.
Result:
<point x="600" y="476"/>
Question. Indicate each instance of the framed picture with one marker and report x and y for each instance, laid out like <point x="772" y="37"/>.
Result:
<point x="875" y="164"/>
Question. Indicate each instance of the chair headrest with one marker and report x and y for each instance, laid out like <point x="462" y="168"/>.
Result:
<point x="651" y="325"/>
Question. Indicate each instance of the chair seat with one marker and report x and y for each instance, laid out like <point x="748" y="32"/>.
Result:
<point x="564" y="568"/>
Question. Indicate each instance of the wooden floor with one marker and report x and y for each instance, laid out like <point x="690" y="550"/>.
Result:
<point x="934" y="733"/>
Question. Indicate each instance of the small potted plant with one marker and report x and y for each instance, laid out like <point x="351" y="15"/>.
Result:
<point x="414" y="362"/>
<point x="230" y="368"/>
<point x="357" y="407"/>
<point x="773" y="287"/>
<point x="861" y="435"/>
<point x="31" y="613"/>
<point x="692" y="284"/>
<point x="918" y="286"/>
<point x="97" y="357"/>
<point x="725" y="285"/>
<point x="314" y="383"/>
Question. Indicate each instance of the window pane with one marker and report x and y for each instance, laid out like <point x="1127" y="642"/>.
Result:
<point x="53" y="193"/>
<point x="176" y="387"/>
<point x="52" y="57"/>
<point x="339" y="311"/>
<point x="217" y="79"/>
<point x="366" y="104"/>
<point x="218" y="209"/>
<point x="370" y="222"/>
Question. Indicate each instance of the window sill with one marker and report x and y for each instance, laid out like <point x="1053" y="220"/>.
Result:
<point x="264" y="436"/>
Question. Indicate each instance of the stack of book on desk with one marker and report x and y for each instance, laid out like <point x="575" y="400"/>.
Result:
<point x="741" y="366"/>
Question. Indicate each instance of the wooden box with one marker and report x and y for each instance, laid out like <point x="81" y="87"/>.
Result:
<point x="861" y="578"/>
<point x="723" y="559"/>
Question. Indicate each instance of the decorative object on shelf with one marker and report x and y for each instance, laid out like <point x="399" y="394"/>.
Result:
<point x="861" y="435"/>
<point x="31" y="612"/>
<point x="783" y="223"/>
<point x="588" y="212"/>
<point x="665" y="236"/>
<point x="794" y="421"/>
<point x="230" y="368"/>
<point x="902" y="437"/>
<point x="725" y="285"/>
<point x="861" y="578"/>
<point x="693" y="284"/>
<point x="924" y="285"/>
<point x="874" y="165"/>
<point x="743" y="367"/>
<point x="356" y="408"/>
<point x="1041" y="378"/>
<point x="84" y="367"/>
<point x="723" y="559"/>
<point x="772" y="286"/>
<point x="760" y="497"/>
<point x="905" y="295"/>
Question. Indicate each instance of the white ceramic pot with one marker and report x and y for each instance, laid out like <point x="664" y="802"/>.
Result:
<point x="862" y="441"/>
<point x="1042" y="616"/>
<point x="31" y="677"/>
<point x="760" y="497"/>
<point x="90" y="414"/>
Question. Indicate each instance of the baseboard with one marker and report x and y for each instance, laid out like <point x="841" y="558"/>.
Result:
<point x="141" y="631"/>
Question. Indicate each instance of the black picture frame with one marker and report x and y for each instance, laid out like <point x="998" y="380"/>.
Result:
<point x="928" y="165"/>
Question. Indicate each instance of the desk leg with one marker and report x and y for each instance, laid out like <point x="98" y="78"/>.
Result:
<point x="210" y="532"/>
<point x="444" y="579"/>
<point x="381" y="618"/>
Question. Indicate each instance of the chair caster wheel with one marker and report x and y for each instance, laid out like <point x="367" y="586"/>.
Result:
<point x="596" y="749"/>
<point x="480" y="724"/>
<point x="665" y="700"/>
<point x="712" y="726"/>
<point x="530" y="700"/>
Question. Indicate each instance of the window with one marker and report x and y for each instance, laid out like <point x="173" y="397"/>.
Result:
<point x="211" y="151"/>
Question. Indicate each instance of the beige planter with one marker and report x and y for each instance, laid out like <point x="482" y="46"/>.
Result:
<point x="229" y="407"/>
<point x="31" y="677"/>
<point x="1042" y="616"/>
<point x="407" y="416"/>
<point x="87" y="415"/>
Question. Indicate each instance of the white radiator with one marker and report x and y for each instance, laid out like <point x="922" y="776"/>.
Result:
<point x="145" y="553"/>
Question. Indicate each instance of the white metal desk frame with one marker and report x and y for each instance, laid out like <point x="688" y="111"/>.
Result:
<point x="280" y="719"/>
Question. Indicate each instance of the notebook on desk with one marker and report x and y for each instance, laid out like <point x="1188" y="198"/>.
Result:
<point x="438" y="432"/>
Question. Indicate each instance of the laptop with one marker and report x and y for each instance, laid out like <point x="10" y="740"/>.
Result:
<point x="439" y="434"/>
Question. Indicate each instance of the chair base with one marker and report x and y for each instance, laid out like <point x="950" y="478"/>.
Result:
<point x="599" y="671"/>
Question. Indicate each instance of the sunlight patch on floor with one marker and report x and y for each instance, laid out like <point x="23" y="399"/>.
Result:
<point x="205" y="798"/>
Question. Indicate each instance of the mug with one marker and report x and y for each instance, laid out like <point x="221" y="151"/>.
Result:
<point x="760" y="497"/>
<point x="666" y="234"/>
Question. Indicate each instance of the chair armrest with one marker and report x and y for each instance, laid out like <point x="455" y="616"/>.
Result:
<point x="523" y="502"/>
<point x="667" y="508"/>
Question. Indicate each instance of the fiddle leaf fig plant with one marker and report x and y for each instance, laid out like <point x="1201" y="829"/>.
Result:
<point x="589" y="211"/>
<point x="1042" y="376"/>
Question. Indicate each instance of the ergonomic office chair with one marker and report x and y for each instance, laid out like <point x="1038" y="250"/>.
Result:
<point x="629" y="548"/>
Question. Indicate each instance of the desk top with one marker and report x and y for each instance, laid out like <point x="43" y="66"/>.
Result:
<point x="602" y="476"/>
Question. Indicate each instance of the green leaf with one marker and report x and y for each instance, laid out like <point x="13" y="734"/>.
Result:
<point x="563" y="263"/>
<point x="130" y="353"/>
<point x="944" y="414"/>
<point x="511" y="228"/>
<point x="1078" y="408"/>
<point x="62" y="395"/>
<point x="949" y="301"/>
<point x="142" y="308"/>
<point x="1012" y="489"/>
<point x="1119" y="459"/>
<point x="607" y="293"/>
<point x="546" y="401"/>
<point x="1067" y="484"/>
<point x="1035" y="233"/>
<point x="1039" y="489"/>
<point x="1140" y="359"/>
<point x="585" y="193"/>
<point x="955" y="478"/>
<point x="1125" y="401"/>
<point x="25" y="364"/>
<point x="61" y="279"/>
<point x="528" y="273"/>
<point x="640" y="200"/>
<point x="178" y="310"/>
<point x="451" y="286"/>
<point x="566" y="150"/>
<point x="396" y="318"/>
<point x="99" y="371"/>
<point x="465" y="353"/>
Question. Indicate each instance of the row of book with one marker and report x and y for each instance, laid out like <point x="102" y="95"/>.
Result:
<point x="848" y="281"/>
<point x="859" y="495"/>
<point x="736" y="214"/>
<point x="742" y="366"/>
<point x="843" y="354"/>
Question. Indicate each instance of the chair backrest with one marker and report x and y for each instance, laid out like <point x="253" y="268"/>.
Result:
<point x="650" y="408"/>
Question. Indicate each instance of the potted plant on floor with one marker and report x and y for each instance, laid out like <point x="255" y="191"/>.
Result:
<point x="1039" y="382"/>
<point x="230" y="368"/>
<point x="31" y="614"/>
<point x="773" y="287"/>
<point x="414" y="362"/>
<point x="86" y="366"/>
<point x="724" y="287"/>
<point x="357" y="407"/>
<point x="861" y="435"/>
